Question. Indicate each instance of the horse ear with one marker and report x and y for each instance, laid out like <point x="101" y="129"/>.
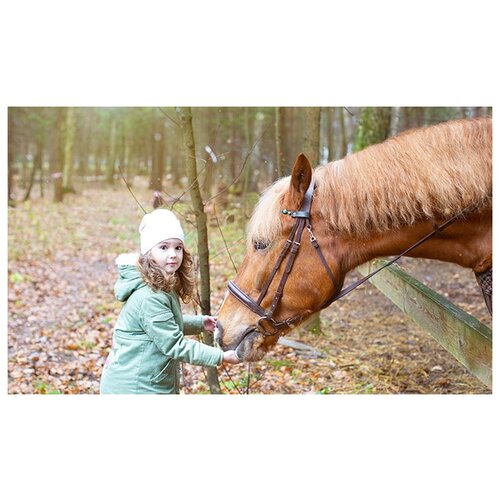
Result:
<point x="301" y="178"/>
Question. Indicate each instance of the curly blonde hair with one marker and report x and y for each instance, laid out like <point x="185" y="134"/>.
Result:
<point x="182" y="281"/>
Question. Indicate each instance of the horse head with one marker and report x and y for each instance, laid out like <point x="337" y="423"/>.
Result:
<point x="282" y="279"/>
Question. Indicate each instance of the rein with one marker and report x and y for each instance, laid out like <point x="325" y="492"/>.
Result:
<point x="291" y="247"/>
<point x="437" y="230"/>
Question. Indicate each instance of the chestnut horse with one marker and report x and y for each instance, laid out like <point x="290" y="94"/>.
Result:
<point x="436" y="181"/>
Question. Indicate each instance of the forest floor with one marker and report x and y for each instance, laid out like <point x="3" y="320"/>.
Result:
<point x="62" y="310"/>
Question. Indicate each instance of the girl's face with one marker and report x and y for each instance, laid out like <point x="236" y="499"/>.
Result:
<point x="168" y="254"/>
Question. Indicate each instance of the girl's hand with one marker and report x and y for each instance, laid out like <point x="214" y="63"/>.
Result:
<point x="209" y="323"/>
<point x="231" y="357"/>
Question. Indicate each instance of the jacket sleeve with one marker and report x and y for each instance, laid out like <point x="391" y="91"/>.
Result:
<point x="193" y="325"/>
<point x="158" y="322"/>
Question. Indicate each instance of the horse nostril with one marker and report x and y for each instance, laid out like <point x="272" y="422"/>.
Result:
<point x="220" y="328"/>
<point x="218" y="334"/>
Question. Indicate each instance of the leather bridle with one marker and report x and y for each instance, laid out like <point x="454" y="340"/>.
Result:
<point x="291" y="246"/>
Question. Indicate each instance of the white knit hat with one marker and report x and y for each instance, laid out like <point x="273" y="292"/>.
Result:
<point x="157" y="226"/>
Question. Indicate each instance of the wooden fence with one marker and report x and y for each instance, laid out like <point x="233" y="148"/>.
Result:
<point x="466" y="338"/>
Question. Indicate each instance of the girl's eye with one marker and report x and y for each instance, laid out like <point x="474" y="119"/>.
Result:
<point x="260" y="244"/>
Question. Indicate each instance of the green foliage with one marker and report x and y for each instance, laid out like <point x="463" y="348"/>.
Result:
<point x="325" y="390"/>
<point x="87" y="344"/>
<point x="240" y="384"/>
<point x="374" y="126"/>
<point x="42" y="387"/>
<point x="278" y="363"/>
<point x="252" y="199"/>
<point x="16" y="278"/>
<point x="363" y="389"/>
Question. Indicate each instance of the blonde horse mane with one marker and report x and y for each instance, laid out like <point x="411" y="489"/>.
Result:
<point x="426" y="173"/>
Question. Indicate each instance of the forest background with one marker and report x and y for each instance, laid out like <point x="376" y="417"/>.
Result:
<point x="242" y="148"/>
<point x="81" y="178"/>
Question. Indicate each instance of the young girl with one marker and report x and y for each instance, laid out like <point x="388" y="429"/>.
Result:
<point x="148" y="340"/>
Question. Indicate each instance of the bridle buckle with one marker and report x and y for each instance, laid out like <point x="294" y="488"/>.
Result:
<point x="312" y="238"/>
<point x="261" y="328"/>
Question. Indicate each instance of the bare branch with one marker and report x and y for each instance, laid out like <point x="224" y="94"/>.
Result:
<point x="169" y="117"/>
<point x="230" y="246"/>
<point x="241" y="170"/>
<point x="192" y="183"/>
<point x="224" y="240"/>
<point x="128" y="187"/>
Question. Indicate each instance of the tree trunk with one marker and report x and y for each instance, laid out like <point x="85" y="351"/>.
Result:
<point x="343" y="134"/>
<point x="373" y="127"/>
<point x="25" y="164"/>
<point x="395" y="119"/>
<point x="126" y="160"/>
<point x="311" y="135"/>
<point x="201" y="225"/>
<point x="83" y="167"/>
<point x="69" y="140"/>
<point x="248" y="171"/>
<point x="419" y="117"/>
<point x="110" y="167"/>
<point x="330" y="143"/>
<point x="30" y="183"/>
<point x="97" y="160"/>
<point x="37" y="165"/>
<point x="290" y="137"/>
<point x="311" y="150"/>
<point x="404" y="119"/>
<point x="41" y="178"/>
<point x="10" y="154"/>
<point x="280" y="152"/>
<point x="121" y="156"/>
<point x="476" y="111"/>
<point x="57" y="155"/>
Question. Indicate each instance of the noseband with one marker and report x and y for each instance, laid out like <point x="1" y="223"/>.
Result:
<point x="291" y="246"/>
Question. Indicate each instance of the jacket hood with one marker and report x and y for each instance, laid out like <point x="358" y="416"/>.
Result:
<point x="129" y="279"/>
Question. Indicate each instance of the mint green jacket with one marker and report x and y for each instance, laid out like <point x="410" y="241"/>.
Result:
<point x="149" y="342"/>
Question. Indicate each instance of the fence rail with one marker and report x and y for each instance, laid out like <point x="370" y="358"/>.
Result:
<point x="462" y="335"/>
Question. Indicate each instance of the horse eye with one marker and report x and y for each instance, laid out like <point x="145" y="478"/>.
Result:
<point x="260" y="244"/>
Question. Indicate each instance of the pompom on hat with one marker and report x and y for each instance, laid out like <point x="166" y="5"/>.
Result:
<point x="157" y="226"/>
